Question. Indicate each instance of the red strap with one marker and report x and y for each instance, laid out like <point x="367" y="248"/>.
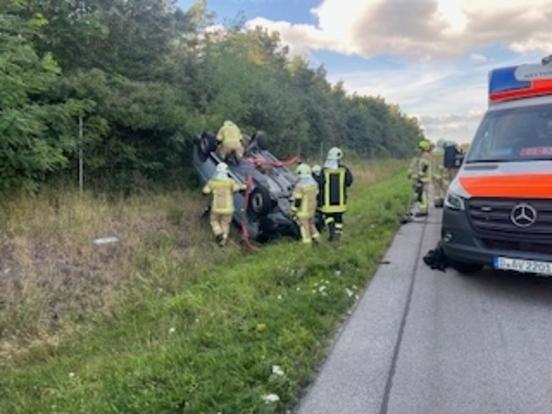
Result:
<point x="244" y="228"/>
<point x="269" y="163"/>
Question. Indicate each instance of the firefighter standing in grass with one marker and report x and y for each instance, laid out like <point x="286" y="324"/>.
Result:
<point x="222" y="187"/>
<point x="420" y="173"/>
<point x="335" y="179"/>
<point x="304" y="200"/>
<point x="229" y="138"/>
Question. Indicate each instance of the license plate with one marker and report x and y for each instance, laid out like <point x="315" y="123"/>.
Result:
<point x="523" y="266"/>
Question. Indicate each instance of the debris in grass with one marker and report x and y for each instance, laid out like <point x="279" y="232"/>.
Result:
<point x="277" y="370"/>
<point x="349" y="292"/>
<point x="280" y="297"/>
<point x="172" y="330"/>
<point x="261" y="327"/>
<point x="270" y="398"/>
<point x="298" y="289"/>
<point x="71" y="375"/>
<point x="338" y="273"/>
<point x="106" y="240"/>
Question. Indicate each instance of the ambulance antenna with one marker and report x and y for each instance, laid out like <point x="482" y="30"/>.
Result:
<point x="547" y="60"/>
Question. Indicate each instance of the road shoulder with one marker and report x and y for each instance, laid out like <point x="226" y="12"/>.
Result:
<point x="353" y="379"/>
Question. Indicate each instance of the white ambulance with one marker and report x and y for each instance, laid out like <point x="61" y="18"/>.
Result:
<point x="498" y="211"/>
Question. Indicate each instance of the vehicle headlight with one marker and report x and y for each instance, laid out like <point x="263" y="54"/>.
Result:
<point x="454" y="202"/>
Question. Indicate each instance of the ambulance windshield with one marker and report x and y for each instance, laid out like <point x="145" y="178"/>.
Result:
<point x="510" y="135"/>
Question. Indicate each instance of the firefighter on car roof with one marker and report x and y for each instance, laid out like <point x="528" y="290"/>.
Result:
<point x="334" y="180"/>
<point x="222" y="187"/>
<point x="304" y="204"/>
<point x="229" y="138"/>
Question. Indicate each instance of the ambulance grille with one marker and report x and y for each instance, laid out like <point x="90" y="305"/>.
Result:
<point x="492" y="217"/>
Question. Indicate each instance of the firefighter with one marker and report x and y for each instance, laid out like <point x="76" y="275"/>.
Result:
<point x="335" y="178"/>
<point x="222" y="187"/>
<point x="440" y="178"/>
<point x="304" y="204"/>
<point x="229" y="138"/>
<point x="421" y="176"/>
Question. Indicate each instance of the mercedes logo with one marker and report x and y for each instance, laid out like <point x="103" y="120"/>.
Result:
<point x="523" y="215"/>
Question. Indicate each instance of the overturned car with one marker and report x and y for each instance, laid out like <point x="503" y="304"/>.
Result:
<point x="264" y="210"/>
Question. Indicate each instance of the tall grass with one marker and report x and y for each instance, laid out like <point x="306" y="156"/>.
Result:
<point x="184" y="326"/>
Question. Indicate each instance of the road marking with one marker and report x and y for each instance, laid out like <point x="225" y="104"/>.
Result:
<point x="389" y="383"/>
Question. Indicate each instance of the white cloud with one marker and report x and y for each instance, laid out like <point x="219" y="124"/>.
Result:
<point x="419" y="29"/>
<point x="478" y="58"/>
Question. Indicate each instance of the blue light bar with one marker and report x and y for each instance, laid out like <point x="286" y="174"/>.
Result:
<point x="504" y="79"/>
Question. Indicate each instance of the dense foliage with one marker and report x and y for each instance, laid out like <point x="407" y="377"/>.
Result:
<point x="146" y="77"/>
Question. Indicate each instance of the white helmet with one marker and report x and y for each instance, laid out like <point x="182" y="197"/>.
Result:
<point x="335" y="154"/>
<point x="222" y="167"/>
<point x="316" y="169"/>
<point x="303" y="171"/>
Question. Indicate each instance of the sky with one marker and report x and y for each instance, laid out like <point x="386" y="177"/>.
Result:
<point x="432" y="57"/>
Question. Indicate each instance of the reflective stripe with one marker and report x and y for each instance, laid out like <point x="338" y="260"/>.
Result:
<point x="519" y="186"/>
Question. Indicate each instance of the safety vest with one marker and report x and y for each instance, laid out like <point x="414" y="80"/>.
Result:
<point x="229" y="134"/>
<point x="307" y="195"/>
<point x="223" y="195"/>
<point x="334" y="188"/>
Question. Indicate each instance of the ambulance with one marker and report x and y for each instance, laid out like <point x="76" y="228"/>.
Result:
<point x="498" y="210"/>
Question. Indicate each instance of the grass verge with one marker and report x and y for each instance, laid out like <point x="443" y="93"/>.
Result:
<point x="203" y="336"/>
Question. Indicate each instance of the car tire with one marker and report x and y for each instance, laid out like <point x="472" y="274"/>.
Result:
<point x="466" y="268"/>
<point x="262" y="141"/>
<point x="260" y="202"/>
<point x="207" y="144"/>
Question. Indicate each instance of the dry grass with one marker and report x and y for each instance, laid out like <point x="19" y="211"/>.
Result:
<point x="53" y="278"/>
<point x="51" y="273"/>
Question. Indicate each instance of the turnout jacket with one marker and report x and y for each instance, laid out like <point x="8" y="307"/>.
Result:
<point x="333" y="184"/>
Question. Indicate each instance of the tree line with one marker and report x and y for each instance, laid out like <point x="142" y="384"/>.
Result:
<point x="145" y="77"/>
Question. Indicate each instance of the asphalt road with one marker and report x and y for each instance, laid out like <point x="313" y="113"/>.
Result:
<point x="423" y="341"/>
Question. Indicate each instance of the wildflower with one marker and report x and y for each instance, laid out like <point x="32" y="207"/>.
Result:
<point x="172" y="330"/>
<point x="280" y="297"/>
<point x="270" y="398"/>
<point x="338" y="273"/>
<point x="349" y="292"/>
<point x="71" y="375"/>
<point x="277" y="370"/>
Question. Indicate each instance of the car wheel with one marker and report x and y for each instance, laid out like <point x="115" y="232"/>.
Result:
<point x="466" y="268"/>
<point x="262" y="141"/>
<point x="207" y="144"/>
<point x="260" y="202"/>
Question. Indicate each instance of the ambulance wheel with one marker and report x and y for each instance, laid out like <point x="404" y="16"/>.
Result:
<point x="260" y="202"/>
<point x="207" y="144"/>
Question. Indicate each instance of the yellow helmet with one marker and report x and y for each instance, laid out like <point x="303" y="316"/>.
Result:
<point x="303" y="171"/>
<point x="424" y="145"/>
<point x="335" y="154"/>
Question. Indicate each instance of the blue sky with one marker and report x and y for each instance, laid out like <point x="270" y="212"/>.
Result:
<point x="431" y="57"/>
